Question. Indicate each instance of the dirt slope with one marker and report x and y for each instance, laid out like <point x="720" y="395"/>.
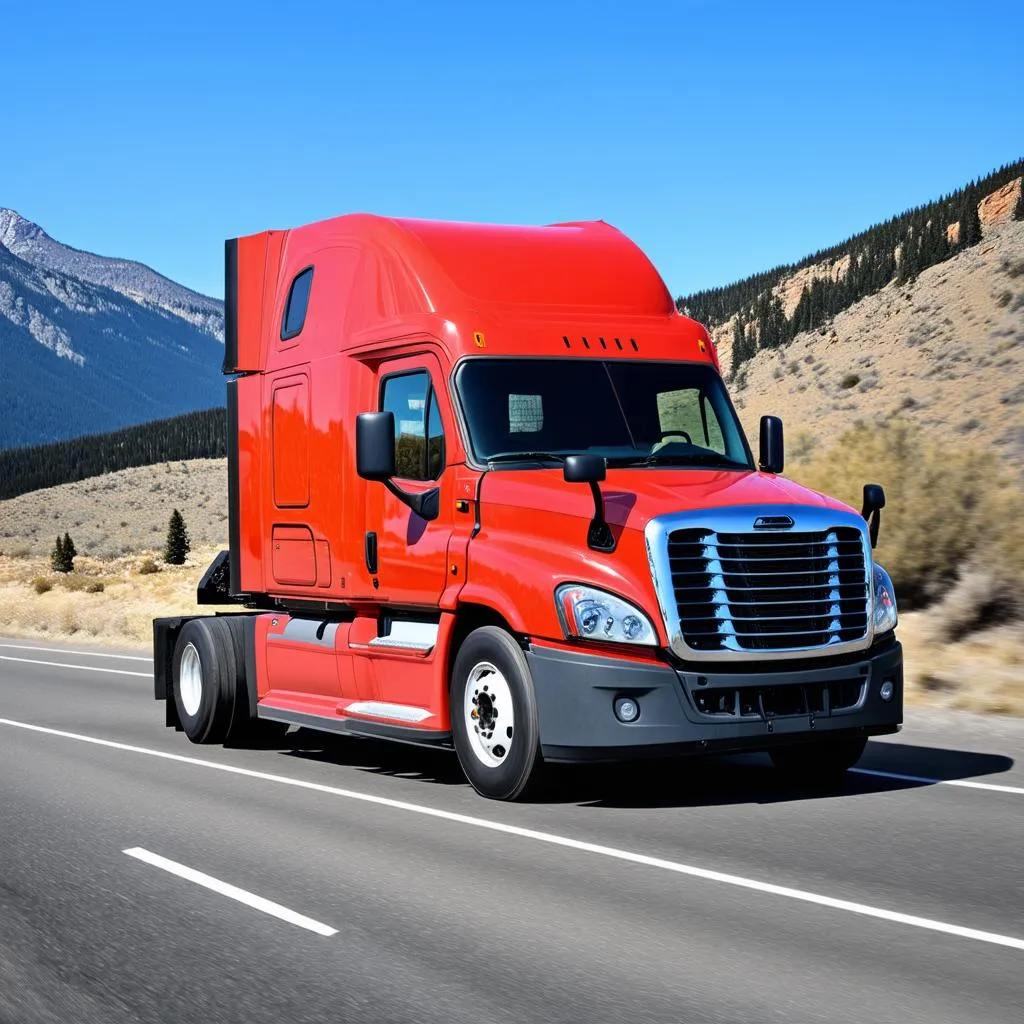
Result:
<point x="120" y="513"/>
<point x="946" y="351"/>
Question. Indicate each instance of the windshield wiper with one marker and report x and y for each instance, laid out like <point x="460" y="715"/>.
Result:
<point x="695" y="459"/>
<point x="525" y="457"/>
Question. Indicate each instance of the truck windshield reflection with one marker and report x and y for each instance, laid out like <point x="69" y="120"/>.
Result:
<point x="631" y="412"/>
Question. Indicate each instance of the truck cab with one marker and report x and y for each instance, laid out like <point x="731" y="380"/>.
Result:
<point x="487" y="490"/>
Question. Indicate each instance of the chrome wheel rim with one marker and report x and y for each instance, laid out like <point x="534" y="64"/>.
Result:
<point x="489" y="714"/>
<point x="190" y="681"/>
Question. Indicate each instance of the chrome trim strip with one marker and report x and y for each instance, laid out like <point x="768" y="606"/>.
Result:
<point x="416" y="636"/>
<point x="381" y="709"/>
<point x="740" y="519"/>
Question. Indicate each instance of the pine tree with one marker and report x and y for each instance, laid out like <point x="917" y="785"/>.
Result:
<point x="177" y="546"/>
<point x="908" y="265"/>
<point x="1018" y="210"/>
<point x="740" y="347"/>
<point x="970" y="222"/>
<point x="70" y="551"/>
<point x="57" y="556"/>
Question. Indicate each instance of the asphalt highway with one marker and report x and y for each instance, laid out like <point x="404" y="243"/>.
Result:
<point x="146" y="879"/>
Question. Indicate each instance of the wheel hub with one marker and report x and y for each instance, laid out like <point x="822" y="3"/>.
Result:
<point x="489" y="714"/>
<point x="190" y="680"/>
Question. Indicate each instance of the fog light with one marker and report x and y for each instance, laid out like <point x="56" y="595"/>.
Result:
<point x="626" y="709"/>
<point x="885" y="691"/>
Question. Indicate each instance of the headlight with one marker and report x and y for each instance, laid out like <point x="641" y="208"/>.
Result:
<point x="885" y="601"/>
<point x="592" y="614"/>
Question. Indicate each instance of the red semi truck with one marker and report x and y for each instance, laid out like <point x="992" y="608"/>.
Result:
<point x="487" y="491"/>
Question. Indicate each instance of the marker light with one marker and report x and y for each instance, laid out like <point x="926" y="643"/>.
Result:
<point x="591" y="614"/>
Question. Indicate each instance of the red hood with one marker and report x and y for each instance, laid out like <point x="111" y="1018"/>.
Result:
<point x="634" y="496"/>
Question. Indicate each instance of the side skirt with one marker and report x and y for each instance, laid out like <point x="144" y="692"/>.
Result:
<point x="435" y="738"/>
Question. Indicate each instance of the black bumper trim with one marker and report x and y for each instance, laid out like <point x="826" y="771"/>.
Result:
<point x="576" y="690"/>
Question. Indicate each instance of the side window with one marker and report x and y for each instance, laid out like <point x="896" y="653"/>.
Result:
<point x="419" y="436"/>
<point x="295" y="308"/>
<point x="688" y="412"/>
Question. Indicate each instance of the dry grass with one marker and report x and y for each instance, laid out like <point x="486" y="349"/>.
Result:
<point x="981" y="672"/>
<point x="121" y="613"/>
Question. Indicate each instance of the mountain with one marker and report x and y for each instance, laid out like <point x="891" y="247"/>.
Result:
<point x="943" y="350"/>
<point x="133" y="280"/>
<point x="90" y="344"/>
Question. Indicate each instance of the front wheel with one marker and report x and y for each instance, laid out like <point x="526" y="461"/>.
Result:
<point x="820" y="761"/>
<point x="494" y="714"/>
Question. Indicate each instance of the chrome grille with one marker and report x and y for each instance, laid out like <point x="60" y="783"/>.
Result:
<point x="766" y="591"/>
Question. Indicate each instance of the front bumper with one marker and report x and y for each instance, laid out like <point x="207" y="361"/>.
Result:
<point x="683" y="710"/>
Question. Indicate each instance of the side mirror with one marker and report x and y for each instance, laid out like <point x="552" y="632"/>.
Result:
<point x="584" y="469"/>
<point x="375" y="460"/>
<point x="375" y="445"/>
<point x="590" y="469"/>
<point x="874" y="502"/>
<point x="772" y="458"/>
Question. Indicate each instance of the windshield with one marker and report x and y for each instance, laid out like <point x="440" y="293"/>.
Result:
<point x="632" y="412"/>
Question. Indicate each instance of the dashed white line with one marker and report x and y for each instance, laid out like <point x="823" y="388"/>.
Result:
<point x="81" y="668"/>
<point x="965" y="783"/>
<point x="84" y="654"/>
<point x="769" y="888"/>
<point x="250" y="899"/>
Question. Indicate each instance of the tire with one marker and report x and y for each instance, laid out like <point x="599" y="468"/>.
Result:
<point x="491" y="679"/>
<point x="204" y="679"/>
<point x="822" y="761"/>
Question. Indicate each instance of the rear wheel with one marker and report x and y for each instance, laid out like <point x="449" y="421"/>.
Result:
<point x="820" y="761"/>
<point x="204" y="679"/>
<point x="493" y="712"/>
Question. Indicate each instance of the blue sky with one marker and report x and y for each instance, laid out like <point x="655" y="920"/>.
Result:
<point x="724" y="137"/>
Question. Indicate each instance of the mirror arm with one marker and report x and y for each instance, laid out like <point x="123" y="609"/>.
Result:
<point x="873" y="524"/>
<point x="426" y="504"/>
<point x="599" y="535"/>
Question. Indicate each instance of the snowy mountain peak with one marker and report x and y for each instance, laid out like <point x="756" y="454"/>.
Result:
<point x="136" y="281"/>
<point x="16" y="231"/>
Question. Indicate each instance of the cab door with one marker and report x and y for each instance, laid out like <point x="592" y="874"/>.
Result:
<point x="412" y="562"/>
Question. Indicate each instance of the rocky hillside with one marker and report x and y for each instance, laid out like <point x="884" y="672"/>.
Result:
<point x="90" y="344"/>
<point x="133" y="280"/>
<point x="946" y="350"/>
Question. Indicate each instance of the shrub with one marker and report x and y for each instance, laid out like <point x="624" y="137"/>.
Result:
<point x="949" y="511"/>
<point x="75" y="581"/>
<point x="148" y="567"/>
<point x="95" y="587"/>
<point x="41" y="585"/>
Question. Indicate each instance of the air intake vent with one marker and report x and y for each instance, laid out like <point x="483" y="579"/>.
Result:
<point x="599" y="343"/>
<point x="769" y="592"/>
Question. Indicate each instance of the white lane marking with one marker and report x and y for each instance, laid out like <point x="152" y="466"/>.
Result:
<point x="231" y="891"/>
<point x="81" y="668"/>
<point x="554" y="840"/>
<point x="85" y="654"/>
<point x="965" y="783"/>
